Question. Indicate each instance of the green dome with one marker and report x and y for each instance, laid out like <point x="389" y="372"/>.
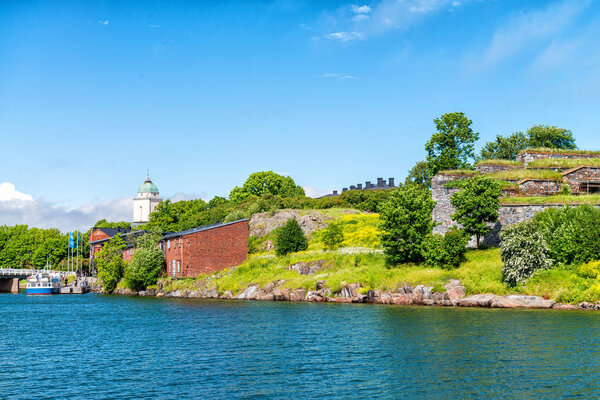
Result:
<point x="148" y="187"/>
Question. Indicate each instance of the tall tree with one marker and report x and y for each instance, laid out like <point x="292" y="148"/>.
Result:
<point x="477" y="205"/>
<point x="266" y="182"/>
<point x="453" y="145"/>
<point x="146" y="263"/>
<point x="551" y="137"/>
<point x="110" y="263"/>
<point x="505" y="148"/>
<point x="420" y="175"/>
<point x="405" y="223"/>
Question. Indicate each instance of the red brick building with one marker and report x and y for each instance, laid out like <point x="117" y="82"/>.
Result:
<point x="205" y="249"/>
<point x="192" y="252"/>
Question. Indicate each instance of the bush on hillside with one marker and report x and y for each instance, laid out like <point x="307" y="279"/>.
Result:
<point x="235" y="215"/>
<point x="572" y="233"/>
<point x="590" y="270"/>
<point x="445" y="251"/>
<point x="290" y="238"/>
<point x="332" y="236"/>
<point x="523" y="250"/>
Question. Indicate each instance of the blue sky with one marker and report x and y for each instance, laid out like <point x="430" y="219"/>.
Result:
<point x="331" y="93"/>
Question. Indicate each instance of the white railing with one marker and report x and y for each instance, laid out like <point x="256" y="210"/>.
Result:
<point x="28" y="272"/>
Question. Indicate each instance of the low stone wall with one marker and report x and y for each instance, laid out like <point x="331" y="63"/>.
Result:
<point x="489" y="168"/>
<point x="539" y="187"/>
<point x="527" y="157"/>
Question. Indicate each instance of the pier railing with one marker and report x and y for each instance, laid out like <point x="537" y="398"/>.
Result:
<point x="25" y="272"/>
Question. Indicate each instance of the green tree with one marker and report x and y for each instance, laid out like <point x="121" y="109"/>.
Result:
<point x="110" y="263"/>
<point x="333" y="236"/>
<point x="551" y="137"/>
<point x="420" y="174"/>
<point x="477" y="205"/>
<point x="264" y="182"/>
<point x="146" y="263"/>
<point x="505" y="148"/>
<point x="453" y="145"/>
<point x="290" y="238"/>
<point x="406" y="222"/>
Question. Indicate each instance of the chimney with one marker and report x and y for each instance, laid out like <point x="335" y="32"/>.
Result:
<point x="335" y="192"/>
<point x="391" y="180"/>
<point x="380" y="182"/>
<point x="352" y="187"/>
<point x="368" y="185"/>
<point x="359" y="186"/>
<point x="344" y="190"/>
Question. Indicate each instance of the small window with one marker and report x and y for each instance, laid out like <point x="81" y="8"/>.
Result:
<point x="168" y="244"/>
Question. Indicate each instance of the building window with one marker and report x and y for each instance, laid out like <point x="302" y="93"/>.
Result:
<point x="179" y="266"/>
<point x="168" y="244"/>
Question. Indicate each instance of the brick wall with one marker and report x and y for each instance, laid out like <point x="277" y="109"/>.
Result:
<point x="97" y="234"/>
<point x="207" y="251"/>
<point x="489" y="168"/>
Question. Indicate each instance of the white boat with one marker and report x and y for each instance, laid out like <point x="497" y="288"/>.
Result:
<point x="43" y="284"/>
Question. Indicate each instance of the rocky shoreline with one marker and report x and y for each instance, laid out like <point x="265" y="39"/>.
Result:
<point x="405" y="295"/>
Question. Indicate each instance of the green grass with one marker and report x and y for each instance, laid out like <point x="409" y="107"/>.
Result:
<point x="560" y="151"/>
<point x="504" y="185"/>
<point x="481" y="273"/>
<point x="506" y="163"/>
<point x="557" y="199"/>
<point x="564" y="163"/>
<point x="519" y="174"/>
<point x="360" y="230"/>
<point x="459" y="172"/>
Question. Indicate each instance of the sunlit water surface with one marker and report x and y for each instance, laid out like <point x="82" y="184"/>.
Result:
<point x="113" y="347"/>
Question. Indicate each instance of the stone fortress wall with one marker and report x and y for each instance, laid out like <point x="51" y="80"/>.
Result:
<point x="514" y="213"/>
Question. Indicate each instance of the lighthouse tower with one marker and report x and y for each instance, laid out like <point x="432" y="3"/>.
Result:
<point x="145" y="201"/>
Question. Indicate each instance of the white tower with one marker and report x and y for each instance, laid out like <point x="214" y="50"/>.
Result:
<point x="145" y="201"/>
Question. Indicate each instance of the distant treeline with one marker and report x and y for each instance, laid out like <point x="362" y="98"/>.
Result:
<point x="24" y="247"/>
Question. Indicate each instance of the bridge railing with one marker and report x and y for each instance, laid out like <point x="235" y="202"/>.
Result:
<point x="29" y="272"/>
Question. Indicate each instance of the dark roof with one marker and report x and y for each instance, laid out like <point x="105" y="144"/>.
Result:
<point x="200" y="229"/>
<point x="113" y="231"/>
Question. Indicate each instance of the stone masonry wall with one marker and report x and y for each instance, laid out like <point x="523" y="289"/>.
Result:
<point x="539" y="187"/>
<point x="488" y="169"/>
<point x="581" y="175"/>
<point x="507" y="215"/>
<point x="528" y="157"/>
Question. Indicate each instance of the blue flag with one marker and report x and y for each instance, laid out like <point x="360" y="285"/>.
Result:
<point x="71" y="241"/>
<point x="77" y="239"/>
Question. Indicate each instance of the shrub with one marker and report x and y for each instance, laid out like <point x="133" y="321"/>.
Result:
<point x="405" y="223"/>
<point x="110" y="263"/>
<point x="445" y="251"/>
<point x="589" y="270"/>
<point x="523" y="250"/>
<point x="333" y="236"/>
<point x="572" y="233"/>
<point x="565" y="190"/>
<point x="235" y="215"/>
<point x="146" y="264"/>
<point x="290" y="238"/>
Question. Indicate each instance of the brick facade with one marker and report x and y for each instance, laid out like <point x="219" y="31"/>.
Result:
<point x="206" y="250"/>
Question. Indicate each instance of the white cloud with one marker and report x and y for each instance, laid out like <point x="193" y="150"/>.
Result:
<point x="338" y="76"/>
<point x="314" y="192"/>
<point x="528" y="28"/>
<point x="306" y="27"/>
<point x="360" y="9"/>
<point x="186" y="196"/>
<point x="105" y="22"/>
<point x="8" y="192"/>
<point x="360" y="17"/>
<point x="42" y="214"/>
<point x="346" y="37"/>
<point x="557" y="54"/>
